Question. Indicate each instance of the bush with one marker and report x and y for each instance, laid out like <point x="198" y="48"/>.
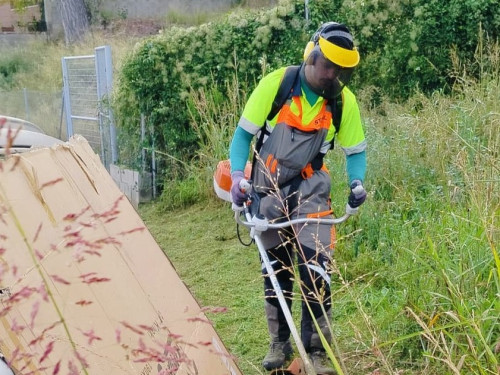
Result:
<point x="9" y="67"/>
<point x="406" y="45"/>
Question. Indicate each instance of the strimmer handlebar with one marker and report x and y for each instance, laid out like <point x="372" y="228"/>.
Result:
<point x="245" y="185"/>
<point x="259" y="223"/>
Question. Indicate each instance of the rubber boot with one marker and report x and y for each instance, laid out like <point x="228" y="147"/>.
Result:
<point x="321" y="363"/>
<point x="280" y="348"/>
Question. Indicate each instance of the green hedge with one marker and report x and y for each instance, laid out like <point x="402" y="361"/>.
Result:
<point x="405" y="45"/>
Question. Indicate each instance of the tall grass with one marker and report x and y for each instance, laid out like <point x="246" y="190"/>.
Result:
<point x="31" y="78"/>
<point x="213" y="119"/>
<point x="428" y="295"/>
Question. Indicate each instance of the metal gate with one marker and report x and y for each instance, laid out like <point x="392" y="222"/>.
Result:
<point x="87" y="87"/>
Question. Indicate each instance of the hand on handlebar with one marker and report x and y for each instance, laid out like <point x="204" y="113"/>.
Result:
<point x="239" y="188"/>
<point x="356" y="197"/>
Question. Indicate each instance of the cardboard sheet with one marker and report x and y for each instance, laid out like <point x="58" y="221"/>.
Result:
<point x="84" y="287"/>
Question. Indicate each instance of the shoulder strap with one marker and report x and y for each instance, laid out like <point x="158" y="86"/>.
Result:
<point x="337" y="106"/>
<point x="286" y="85"/>
<point x="337" y="112"/>
<point x="287" y="82"/>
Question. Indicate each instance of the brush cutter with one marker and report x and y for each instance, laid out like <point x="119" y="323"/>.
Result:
<point x="257" y="224"/>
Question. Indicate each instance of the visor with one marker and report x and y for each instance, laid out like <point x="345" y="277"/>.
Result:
<point x="331" y="88"/>
<point x="341" y="56"/>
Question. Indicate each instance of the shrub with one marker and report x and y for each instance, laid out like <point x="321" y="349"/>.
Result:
<point x="406" y="45"/>
<point x="9" y="67"/>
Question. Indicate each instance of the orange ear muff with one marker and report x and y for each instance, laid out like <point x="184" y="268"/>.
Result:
<point x="307" y="51"/>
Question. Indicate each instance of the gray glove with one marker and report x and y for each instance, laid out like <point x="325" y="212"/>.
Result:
<point x="238" y="196"/>
<point x="356" y="197"/>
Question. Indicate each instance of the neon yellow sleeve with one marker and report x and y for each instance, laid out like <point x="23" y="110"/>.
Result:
<point x="351" y="136"/>
<point x="260" y="102"/>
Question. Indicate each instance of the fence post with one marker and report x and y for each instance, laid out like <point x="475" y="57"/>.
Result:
<point x="153" y="162"/>
<point x="108" y="85"/>
<point x="26" y="106"/>
<point x="143" y="140"/>
<point x="66" y="99"/>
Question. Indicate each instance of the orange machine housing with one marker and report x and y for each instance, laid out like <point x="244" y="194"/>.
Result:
<point x="222" y="179"/>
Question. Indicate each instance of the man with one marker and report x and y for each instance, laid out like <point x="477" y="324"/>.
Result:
<point x="292" y="182"/>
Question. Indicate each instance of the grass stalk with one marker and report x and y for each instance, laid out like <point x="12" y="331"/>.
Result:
<point x="36" y="263"/>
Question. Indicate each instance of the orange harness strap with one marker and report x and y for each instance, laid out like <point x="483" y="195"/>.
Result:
<point x="322" y="120"/>
<point x="308" y="171"/>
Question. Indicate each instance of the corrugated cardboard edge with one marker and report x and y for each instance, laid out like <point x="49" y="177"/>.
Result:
<point x="57" y="207"/>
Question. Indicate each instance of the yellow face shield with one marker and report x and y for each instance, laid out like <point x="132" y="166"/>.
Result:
<point x="341" y="56"/>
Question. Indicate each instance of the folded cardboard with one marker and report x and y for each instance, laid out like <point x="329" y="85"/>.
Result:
<point x="84" y="287"/>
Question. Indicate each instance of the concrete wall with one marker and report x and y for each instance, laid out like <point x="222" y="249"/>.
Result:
<point x="135" y="185"/>
<point x="13" y="39"/>
<point x="158" y="9"/>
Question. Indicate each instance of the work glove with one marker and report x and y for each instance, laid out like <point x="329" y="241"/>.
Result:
<point x="356" y="197"/>
<point x="238" y="196"/>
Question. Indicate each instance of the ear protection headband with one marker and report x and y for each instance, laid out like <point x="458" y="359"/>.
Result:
<point x="344" y="57"/>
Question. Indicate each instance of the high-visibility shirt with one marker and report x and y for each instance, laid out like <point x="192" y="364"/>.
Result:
<point x="351" y="136"/>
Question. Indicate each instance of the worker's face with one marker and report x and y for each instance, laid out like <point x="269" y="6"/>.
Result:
<point x="326" y="78"/>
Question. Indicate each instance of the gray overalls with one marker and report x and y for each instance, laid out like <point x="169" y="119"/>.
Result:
<point x="292" y="182"/>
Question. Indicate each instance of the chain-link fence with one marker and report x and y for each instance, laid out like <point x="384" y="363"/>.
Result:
<point x="44" y="109"/>
<point x="156" y="166"/>
<point x="87" y="85"/>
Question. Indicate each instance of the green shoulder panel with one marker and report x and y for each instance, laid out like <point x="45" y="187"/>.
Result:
<point x="260" y="101"/>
